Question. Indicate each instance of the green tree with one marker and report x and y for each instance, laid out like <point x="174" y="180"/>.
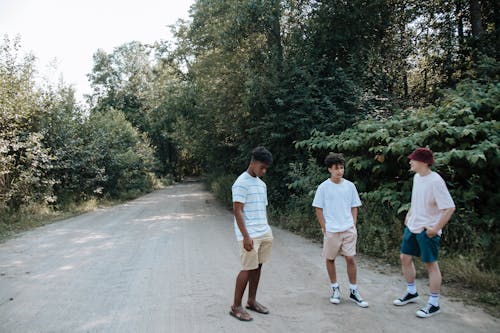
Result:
<point x="122" y="153"/>
<point x="146" y="84"/>
<point x="121" y="80"/>
<point x="73" y="168"/>
<point x="24" y="161"/>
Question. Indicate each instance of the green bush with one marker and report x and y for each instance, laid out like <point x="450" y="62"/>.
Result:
<point x="463" y="131"/>
<point x="379" y="230"/>
<point x="24" y="161"/>
<point x="124" y="155"/>
<point x="221" y="186"/>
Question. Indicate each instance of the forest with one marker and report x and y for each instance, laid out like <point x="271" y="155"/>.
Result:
<point x="370" y="79"/>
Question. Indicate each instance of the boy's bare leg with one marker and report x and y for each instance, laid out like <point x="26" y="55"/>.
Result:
<point x="332" y="272"/>
<point x="253" y="284"/>
<point x="236" y="309"/>
<point x="408" y="268"/>
<point x="351" y="269"/>
<point x="239" y="290"/>
<point x="434" y="276"/>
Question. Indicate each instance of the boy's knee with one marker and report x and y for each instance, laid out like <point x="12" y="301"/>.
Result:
<point x="350" y="260"/>
<point x="405" y="259"/>
<point x="431" y="266"/>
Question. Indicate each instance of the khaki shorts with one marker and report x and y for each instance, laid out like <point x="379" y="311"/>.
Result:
<point x="260" y="253"/>
<point x="343" y="243"/>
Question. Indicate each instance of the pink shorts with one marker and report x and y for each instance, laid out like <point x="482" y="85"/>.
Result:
<point x="343" y="243"/>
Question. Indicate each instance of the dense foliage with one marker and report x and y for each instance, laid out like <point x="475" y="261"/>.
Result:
<point x="462" y="129"/>
<point x="51" y="153"/>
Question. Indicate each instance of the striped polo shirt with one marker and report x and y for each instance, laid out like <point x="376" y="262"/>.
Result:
<point x="252" y="192"/>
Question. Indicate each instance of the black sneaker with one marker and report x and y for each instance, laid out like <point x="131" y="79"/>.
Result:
<point x="356" y="298"/>
<point x="428" y="311"/>
<point x="408" y="298"/>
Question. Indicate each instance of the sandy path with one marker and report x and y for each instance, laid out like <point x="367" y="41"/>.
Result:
<point x="167" y="261"/>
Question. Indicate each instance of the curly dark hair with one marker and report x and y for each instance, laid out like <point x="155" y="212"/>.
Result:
<point x="263" y="155"/>
<point x="334" y="159"/>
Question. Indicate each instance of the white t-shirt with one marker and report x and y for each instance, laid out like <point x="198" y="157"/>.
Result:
<point x="252" y="192"/>
<point x="336" y="200"/>
<point x="428" y="197"/>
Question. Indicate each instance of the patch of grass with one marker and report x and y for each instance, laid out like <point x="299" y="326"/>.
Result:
<point x="297" y="222"/>
<point x="466" y="280"/>
<point x="220" y="186"/>
<point x="37" y="215"/>
<point x="34" y="216"/>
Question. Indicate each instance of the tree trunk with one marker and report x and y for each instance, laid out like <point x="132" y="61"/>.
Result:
<point x="475" y="18"/>
<point x="425" y="83"/>
<point x="460" y="26"/>
<point x="273" y="35"/>
<point x="405" y="85"/>
<point x="496" y="14"/>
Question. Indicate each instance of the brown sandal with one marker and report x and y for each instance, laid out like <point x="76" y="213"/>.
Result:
<point x="240" y="314"/>
<point x="257" y="307"/>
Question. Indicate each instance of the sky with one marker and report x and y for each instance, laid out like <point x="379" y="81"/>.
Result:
<point x="66" y="33"/>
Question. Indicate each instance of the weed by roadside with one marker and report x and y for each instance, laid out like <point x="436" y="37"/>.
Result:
<point x="12" y="223"/>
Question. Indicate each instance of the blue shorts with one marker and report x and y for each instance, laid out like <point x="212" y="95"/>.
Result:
<point x="420" y="244"/>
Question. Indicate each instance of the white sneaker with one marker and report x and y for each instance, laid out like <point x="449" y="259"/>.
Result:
<point x="335" y="298"/>
<point x="356" y="298"/>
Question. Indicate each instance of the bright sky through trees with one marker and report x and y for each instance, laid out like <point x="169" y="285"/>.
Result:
<point x="68" y="32"/>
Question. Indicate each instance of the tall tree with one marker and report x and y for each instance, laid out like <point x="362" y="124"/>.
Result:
<point x="24" y="161"/>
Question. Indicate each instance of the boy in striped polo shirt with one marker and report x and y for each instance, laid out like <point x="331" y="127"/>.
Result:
<point x="252" y="231"/>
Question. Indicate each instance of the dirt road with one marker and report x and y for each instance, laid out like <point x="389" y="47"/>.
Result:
<point x="167" y="261"/>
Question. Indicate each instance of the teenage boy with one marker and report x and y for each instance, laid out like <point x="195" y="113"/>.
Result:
<point x="336" y="202"/>
<point x="252" y="231"/>
<point x="431" y="208"/>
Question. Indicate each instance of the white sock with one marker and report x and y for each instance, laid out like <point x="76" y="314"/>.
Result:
<point x="335" y="285"/>
<point x="353" y="286"/>
<point x="411" y="288"/>
<point x="434" y="299"/>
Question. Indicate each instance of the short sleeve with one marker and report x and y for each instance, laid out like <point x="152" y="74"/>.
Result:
<point x="265" y="193"/>
<point x="239" y="192"/>
<point x="319" y="201"/>
<point x="355" y="201"/>
<point x="442" y="195"/>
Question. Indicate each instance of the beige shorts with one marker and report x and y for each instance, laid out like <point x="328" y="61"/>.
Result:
<point x="343" y="243"/>
<point x="260" y="253"/>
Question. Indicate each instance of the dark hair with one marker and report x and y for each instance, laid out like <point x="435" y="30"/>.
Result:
<point x="334" y="158"/>
<point x="263" y="155"/>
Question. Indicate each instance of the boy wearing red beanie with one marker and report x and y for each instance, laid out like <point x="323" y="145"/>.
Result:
<point x="431" y="209"/>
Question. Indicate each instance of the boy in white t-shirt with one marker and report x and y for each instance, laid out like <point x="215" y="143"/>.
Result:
<point x="431" y="209"/>
<point x="336" y="202"/>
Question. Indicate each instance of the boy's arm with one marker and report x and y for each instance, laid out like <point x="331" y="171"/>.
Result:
<point x="354" y="212"/>
<point x="407" y="217"/>
<point x="238" y="214"/>
<point x="443" y="220"/>
<point x="321" y="218"/>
